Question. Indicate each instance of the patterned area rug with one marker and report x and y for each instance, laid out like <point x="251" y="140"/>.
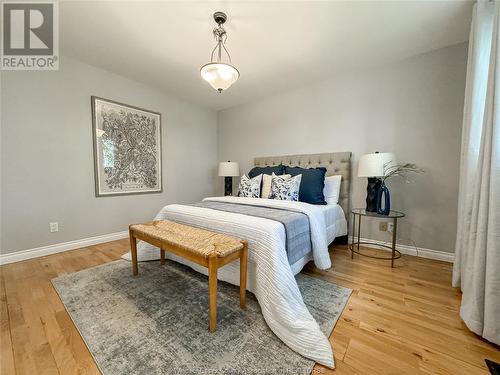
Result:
<point x="157" y="322"/>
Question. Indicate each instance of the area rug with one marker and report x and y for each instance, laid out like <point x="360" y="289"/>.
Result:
<point x="156" y="323"/>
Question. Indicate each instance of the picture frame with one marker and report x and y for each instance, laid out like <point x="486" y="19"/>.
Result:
<point x="127" y="149"/>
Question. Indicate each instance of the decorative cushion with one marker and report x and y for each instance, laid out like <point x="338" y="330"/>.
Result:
<point x="286" y="189"/>
<point x="250" y="187"/>
<point x="277" y="170"/>
<point x="312" y="185"/>
<point x="332" y="189"/>
<point x="266" y="184"/>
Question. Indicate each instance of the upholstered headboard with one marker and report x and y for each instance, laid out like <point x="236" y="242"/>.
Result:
<point x="335" y="163"/>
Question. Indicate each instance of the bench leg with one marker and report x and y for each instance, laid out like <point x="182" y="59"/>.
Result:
<point x="133" y="252"/>
<point x="212" y="292"/>
<point x="162" y="257"/>
<point x="243" y="274"/>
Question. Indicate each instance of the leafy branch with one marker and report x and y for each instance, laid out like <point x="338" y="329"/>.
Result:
<point x="400" y="170"/>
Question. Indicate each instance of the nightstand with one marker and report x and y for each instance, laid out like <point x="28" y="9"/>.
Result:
<point x="354" y="246"/>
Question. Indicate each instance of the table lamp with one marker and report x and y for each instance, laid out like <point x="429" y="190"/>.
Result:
<point x="228" y="169"/>
<point x="372" y="166"/>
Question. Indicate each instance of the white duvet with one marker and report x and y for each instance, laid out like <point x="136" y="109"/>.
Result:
<point x="270" y="277"/>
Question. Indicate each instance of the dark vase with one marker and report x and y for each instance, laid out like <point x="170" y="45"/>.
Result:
<point x="372" y="193"/>
<point x="383" y="193"/>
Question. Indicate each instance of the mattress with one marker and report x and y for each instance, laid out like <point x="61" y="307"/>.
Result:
<point x="336" y="226"/>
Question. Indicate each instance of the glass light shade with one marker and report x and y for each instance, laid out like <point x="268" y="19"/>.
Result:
<point x="372" y="165"/>
<point x="229" y="169"/>
<point x="220" y="76"/>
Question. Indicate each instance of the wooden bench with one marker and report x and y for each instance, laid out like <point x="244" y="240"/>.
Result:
<point x="206" y="248"/>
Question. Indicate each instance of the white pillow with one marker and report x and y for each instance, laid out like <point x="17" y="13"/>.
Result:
<point x="249" y="187"/>
<point x="285" y="189"/>
<point x="332" y="189"/>
<point x="266" y="184"/>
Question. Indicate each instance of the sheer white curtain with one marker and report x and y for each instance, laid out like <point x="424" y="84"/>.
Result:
<point x="477" y="255"/>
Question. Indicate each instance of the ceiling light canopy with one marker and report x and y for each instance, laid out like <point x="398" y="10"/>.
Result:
<point x="218" y="74"/>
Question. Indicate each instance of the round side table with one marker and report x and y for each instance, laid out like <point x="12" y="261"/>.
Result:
<point x="354" y="246"/>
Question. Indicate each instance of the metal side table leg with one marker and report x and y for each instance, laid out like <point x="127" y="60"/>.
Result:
<point x="359" y="230"/>
<point x="353" y="233"/>
<point x="394" y="231"/>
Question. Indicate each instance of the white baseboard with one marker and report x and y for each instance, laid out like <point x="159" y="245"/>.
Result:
<point x="410" y="250"/>
<point x="19" y="256"/>
<point x="60" y="247"/>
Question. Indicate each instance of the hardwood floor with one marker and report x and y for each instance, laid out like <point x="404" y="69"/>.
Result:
<point x="398" y="321"/>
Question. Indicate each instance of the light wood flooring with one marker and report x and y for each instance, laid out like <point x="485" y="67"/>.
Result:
<point x="398" y="321"/>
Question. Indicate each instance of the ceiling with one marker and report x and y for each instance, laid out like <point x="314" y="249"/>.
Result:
<point x="276" y="46"/>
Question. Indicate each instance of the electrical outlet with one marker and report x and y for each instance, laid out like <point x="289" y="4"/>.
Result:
<point x="390" y="226"/>
<point x="54" y="227"/>
<point x="382" y="226"/>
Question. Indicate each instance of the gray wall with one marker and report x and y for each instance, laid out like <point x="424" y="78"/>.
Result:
<point x="412" y="108"/>
<point x="47" y="162"/>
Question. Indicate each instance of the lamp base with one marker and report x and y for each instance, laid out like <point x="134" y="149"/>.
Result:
<point x="228" y="185"/>
<point x="372" y="189"/>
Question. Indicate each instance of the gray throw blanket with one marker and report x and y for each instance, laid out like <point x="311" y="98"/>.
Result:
<point x="298" y="235"/>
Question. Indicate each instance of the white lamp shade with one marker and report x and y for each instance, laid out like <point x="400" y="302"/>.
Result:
<point x="372" y="165"/>
<point x="220" y="76"/>
<point x="229" y="169"/>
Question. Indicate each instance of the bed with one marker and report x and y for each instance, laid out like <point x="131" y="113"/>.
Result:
<point x="336" y="216"/>
<point x="270" y="273"/>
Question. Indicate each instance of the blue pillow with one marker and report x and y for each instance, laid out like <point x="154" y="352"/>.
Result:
<point x="312" y="184"/>
<point x="277" y="170"/>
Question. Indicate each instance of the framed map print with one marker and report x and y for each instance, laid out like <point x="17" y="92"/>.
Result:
<point x="127" y="149"/>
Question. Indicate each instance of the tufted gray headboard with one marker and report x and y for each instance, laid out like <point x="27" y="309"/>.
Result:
<point x="335" y="163"/>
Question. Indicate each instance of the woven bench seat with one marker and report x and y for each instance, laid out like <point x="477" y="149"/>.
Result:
<point x="195" y="240"/>
<point x="210" y="249"/>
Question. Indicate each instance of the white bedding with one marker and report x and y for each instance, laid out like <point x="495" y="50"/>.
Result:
<point x="336" y="223"/>
<point x="336" y="226"/>
<point x="270" y="276"/>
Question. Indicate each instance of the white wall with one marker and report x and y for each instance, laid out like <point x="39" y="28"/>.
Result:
<point x="47" y="162"/>
<point x="413" y="108"/>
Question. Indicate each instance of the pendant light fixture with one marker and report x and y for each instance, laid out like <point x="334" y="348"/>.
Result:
<point x="218" y="74"/>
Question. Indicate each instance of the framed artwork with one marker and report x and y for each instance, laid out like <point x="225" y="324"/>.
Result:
<point x="127" y="149"/>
